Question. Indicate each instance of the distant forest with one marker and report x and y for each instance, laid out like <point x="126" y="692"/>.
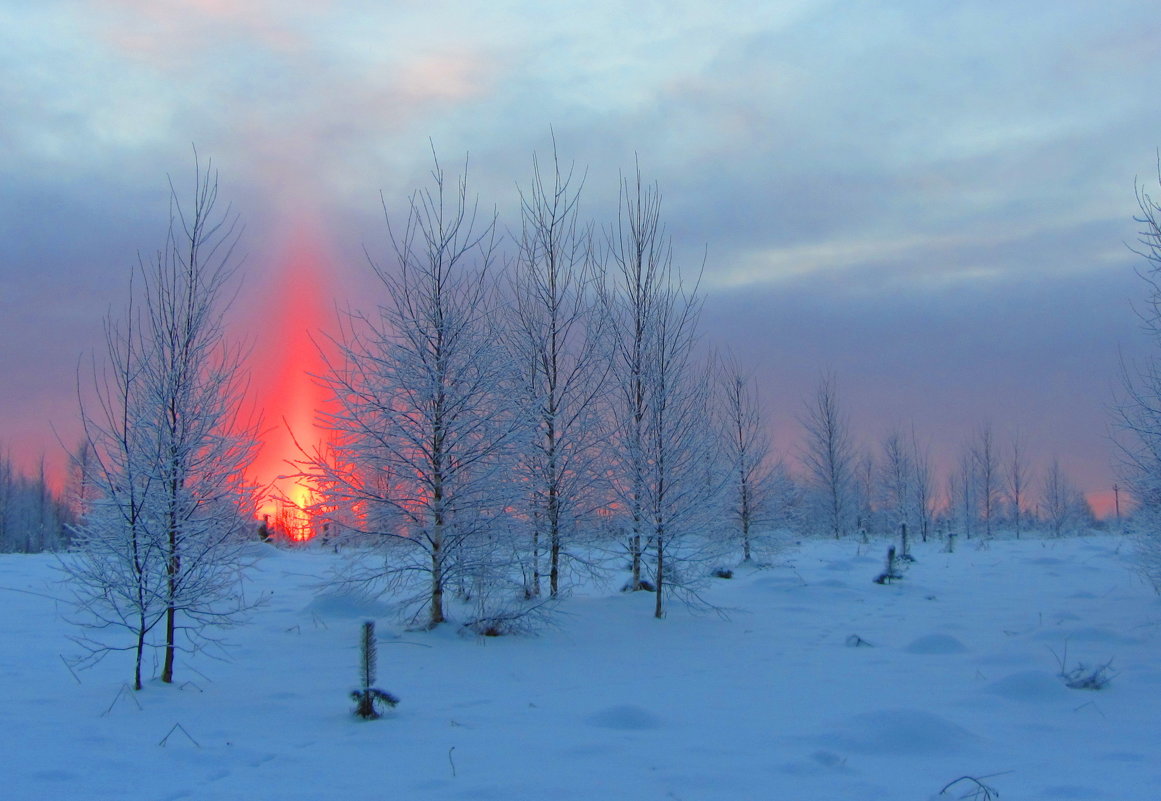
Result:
<point x="33" y="517"/>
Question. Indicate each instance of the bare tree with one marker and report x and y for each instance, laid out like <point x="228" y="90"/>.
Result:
<point x="898" y="482"/>
<point x="923" y="486"/>
<point x="557" y="345"/>
<point x="681" y="493"/>
<point x="963" y="491"/>
<point x="1018" y="481"/>
<point x="748" y="455"/>
<point x="169" y="444"/>
<point x="425" y="421"/>
<point x="641" y="270"/>
<point x="1137" y="415"/>
<point x="660" y="397"/>
<point x="1062" y="503"/>
<point x="80" y="483"/>
<point x="829" y="458"/>
<point x="987" y="459"/>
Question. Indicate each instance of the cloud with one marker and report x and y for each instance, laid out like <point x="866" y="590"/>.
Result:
<point x="839" y="157"/>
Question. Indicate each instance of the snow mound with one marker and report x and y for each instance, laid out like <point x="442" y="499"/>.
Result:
<point x="1030" y="686"/>
<point x="346" y="605"/>
<point x="1093" y="634"/>
<point x="903" y="732"/>
<point x="936" y="644"/>
<point x="1072" y="791"/>
<point x="625" y="717"/>
<point x="819" y="763"/>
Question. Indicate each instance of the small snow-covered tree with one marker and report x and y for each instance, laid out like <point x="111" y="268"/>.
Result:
<point x="1018" y="479"/>
<point x="1063" y="506"/>
<point x="368" y="697"/>
<point x="161" y="543"/>
<point x="988" y="477"/>
<point x="923" y="486"/>
<point x="898" y="480"/>
<point x="425" y="421"/>
<point x="829" y="459"/>
<point x="963" y="492"/>
<point x="751" y="490"/>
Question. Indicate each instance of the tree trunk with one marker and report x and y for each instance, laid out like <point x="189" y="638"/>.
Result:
<point x="534" y="590"/>
<point x="657" y="611"/>
<point x="140" y="652"/>
<point x="172" y="566"/>
<point x="436" y="585"/>
<point x="170" y="631"/>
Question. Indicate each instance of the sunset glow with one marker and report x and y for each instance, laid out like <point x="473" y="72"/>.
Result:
<point x="286" y="356"/>
<point x="1104" y="504"/>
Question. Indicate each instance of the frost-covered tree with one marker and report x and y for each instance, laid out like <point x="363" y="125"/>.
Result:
<point x="830" y="459"/>
<point x="1017" y="480"/>
<point x="1137" y="415"/>
<point x="660" y="453"/>
<point x="1063" y="506"/>
<point x="898" y="482"/>
<point x="963" y="491"/>
<point x="682" y="490"/>
<point x="168" y="443"/>
<point x="754" y="481"/>
<point x="923" y="487"/>
<point x="424" y="418"/>
<point x="988" y="477"/>
<point x="639" y="273"/>
<point x="556" y="339"/>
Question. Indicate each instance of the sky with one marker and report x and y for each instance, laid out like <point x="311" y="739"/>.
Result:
<point x="931" y="201"/>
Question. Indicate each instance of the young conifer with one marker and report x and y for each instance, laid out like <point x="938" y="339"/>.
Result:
<point x="367" y="697"/>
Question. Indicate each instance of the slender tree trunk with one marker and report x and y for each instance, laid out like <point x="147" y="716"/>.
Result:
<point x="173" y="565"/>
<point x="436" y="583"/>
<point x="140" y="653"/>
<point x="554" y="544"/>
<point x="660" y="542"/>
<point x="534" y="590"/>
<point x="553" y="523"/>
<point x="170" y="632"/>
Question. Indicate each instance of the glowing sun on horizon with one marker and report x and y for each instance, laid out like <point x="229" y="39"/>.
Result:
<point x="286" y="359"/>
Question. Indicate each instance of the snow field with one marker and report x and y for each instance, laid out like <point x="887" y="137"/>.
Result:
<point x="766" y="700"/>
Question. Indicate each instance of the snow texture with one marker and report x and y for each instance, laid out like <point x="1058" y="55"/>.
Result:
<point x="766" y="701"/>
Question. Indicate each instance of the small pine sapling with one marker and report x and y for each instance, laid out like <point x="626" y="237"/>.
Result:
<point x="891" y="573"/>
<point x="368" y="697"/>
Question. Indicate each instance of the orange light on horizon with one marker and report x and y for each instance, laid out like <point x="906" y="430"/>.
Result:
<point x="286" y="357"/>
<point x="1104" y="504"/>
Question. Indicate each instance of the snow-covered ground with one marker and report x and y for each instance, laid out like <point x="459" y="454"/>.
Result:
<point x="767" y="701"/>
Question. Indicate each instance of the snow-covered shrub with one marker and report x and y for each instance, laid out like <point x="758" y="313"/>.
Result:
<point x="1083" y="676"/>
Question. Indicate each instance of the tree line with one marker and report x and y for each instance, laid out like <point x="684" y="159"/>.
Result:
<point x="34" y="516"/>
<point x="992" y="486"/>
<point x="505" y="420"/>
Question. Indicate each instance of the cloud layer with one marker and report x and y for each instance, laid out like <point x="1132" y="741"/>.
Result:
<point x="930" y="200"/>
